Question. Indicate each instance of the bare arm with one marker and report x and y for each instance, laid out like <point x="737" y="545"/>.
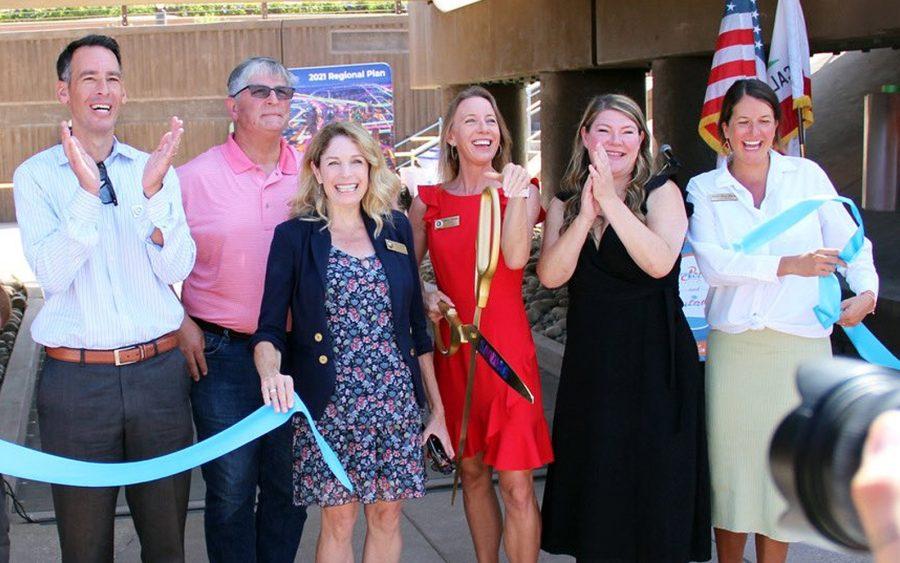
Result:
<point x="559" y="252"/>
<point x="431" y="295"/>
<point x="267" y="359"/>
<point x="191" y="341"/>
<point x="522" y="211"/>
<point x="655" y="246"/>
<point x="518" y="228"/>
<point x="277" y="389"/>
<point x="436" y="422"/>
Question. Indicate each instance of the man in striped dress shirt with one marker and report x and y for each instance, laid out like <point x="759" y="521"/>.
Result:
<point x="103" y="229"/>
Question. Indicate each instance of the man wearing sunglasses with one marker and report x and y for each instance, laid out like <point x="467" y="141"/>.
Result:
<point x="104" y="230"/>
<point x="234" y="195"/>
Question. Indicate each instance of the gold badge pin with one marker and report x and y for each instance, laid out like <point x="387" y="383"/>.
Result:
<point x="447" y="222"/>
<point x="396" y="246"/>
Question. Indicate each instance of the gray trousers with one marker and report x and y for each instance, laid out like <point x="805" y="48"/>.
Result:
<point x="108" y="413"/>
<point x="4" y="527"/>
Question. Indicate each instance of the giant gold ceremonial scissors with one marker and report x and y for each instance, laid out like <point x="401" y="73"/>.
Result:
<point x="487" y="255"/>
<point x="469" y="334"/>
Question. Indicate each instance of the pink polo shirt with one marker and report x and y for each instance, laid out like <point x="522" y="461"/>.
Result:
<point x="232" y="209"/>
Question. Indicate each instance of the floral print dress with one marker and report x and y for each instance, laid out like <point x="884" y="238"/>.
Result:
<point x="372" y="420"/>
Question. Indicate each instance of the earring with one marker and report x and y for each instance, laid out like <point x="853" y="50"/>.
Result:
<point x="726" y="144"/>
<point x="453" y="153"/>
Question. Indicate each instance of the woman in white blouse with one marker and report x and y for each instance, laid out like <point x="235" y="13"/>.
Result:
<point x="760" y="309"/>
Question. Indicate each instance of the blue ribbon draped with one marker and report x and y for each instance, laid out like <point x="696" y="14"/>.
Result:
<point x="38" y="466"/>
<point x="828" y="310"/>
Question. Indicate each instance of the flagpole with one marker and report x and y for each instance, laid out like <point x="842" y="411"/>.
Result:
<point x="801" y="133"/>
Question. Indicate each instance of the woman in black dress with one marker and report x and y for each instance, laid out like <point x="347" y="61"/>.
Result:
<point x="631" y="477"/>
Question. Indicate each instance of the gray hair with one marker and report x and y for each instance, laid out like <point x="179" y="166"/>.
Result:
<point x="254" y="66"/>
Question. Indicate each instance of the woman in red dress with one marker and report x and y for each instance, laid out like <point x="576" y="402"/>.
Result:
<point x="505" y="432"/>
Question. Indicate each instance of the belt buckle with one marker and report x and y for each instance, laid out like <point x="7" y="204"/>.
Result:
<point x="120" y="362"/>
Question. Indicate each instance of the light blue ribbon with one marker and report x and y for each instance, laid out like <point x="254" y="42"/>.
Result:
<point x="828" y="310"/>
<point x="38" y="466"/>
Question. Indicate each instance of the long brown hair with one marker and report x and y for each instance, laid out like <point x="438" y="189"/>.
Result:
<point x="577" y="171"/>
<point x="449" y="163"/>
<point x="384" y="185"/>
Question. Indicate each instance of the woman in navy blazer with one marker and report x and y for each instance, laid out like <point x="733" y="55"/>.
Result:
<point x="344" y="268"/>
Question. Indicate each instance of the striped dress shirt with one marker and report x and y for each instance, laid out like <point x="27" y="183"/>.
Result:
<point x="106" y="284"/>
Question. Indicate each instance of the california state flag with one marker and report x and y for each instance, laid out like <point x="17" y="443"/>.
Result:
<point x="788" y="72"/>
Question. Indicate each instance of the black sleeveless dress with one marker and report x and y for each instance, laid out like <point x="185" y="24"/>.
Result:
<point x="631" y="476"/>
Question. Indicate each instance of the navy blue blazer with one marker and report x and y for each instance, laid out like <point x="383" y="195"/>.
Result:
<point x="295" y="282"/>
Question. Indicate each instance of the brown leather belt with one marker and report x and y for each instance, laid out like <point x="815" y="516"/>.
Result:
<point x="119" y="357"/>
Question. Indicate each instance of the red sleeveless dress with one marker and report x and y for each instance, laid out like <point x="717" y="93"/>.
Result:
<point x="511" y="432"/>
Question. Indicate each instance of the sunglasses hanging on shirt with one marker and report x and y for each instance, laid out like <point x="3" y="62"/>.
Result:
<point x="107" y="193"/>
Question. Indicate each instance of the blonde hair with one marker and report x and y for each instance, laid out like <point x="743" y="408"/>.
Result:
<point x="384" y="185"/>
<point x="577" y="171"/>
<point x="449" y="163"/>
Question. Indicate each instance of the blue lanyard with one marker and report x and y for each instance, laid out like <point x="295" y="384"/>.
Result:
<point x="38" y="466"/>
<point x="828" y="310"/>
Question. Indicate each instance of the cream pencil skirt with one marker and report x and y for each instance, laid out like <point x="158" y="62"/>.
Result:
<point x="749" y="390"/>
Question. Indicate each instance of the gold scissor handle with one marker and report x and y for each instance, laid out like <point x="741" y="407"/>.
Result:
<point x="487" y="249"/>
<point x="457" y="335"/>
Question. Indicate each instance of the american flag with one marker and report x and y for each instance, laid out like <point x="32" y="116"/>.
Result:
<point x="739" y="54"/>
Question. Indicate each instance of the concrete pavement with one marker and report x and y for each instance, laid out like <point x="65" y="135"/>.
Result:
<point x="433" y="531"/>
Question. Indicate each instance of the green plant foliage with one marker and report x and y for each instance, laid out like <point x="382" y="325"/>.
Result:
<point x="206" y="12"/>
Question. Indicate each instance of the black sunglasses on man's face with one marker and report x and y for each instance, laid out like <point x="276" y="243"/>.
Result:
<point x="262" y="92"/>
<point x="107" y="193"/>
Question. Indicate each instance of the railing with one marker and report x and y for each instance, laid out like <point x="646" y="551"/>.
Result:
<point x="533" y="142"/>
<point x="418" y="144"/>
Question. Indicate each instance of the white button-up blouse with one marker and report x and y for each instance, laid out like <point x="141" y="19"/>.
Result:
<point x="745" y="291"/>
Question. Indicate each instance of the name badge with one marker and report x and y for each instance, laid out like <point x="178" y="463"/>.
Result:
<point x="447" y="222"/>
<point x="396" y="246"/>
<point x="722" y="197"/>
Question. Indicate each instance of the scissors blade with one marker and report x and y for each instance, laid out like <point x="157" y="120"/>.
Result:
<point x="467" y="408"/>
<point x="502" y="368"/>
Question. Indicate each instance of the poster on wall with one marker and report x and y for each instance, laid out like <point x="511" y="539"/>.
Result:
<point x="363" y="93"/>
<point x="692" y="289"/>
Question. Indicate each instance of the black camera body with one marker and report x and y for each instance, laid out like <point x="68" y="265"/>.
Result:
<point x="816" y="450"/>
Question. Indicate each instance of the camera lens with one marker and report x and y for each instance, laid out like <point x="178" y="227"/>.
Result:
<point x="816" y="450"/>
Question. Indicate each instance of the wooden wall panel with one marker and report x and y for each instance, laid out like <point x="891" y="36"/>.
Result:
<point x="183" y="70"/>
<point x="498" y="40"/>
<point x="192" y="60"/>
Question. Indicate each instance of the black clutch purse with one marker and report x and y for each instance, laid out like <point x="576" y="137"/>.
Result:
<point x="440" y="461"/>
